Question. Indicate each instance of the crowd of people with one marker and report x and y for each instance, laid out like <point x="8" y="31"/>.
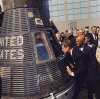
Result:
<point x="82" y="55"/>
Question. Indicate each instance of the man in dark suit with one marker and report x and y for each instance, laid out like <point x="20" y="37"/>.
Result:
<point x="71" y="37"/>
<point x="76" y="67"/>
<point x="86" y="30"/>
<point x="97" y="42"/>
<point x="92" y="69"/>
<point x="94" y="32"/>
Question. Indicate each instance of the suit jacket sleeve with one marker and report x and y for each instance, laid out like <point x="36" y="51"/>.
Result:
<point x="78" y="58"/>
<point x="80" y="67"/>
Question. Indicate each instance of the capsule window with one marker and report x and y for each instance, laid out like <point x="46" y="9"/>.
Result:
<point x="41" y="47"/>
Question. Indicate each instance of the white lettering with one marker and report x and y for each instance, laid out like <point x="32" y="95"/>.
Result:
<point x="2" y="41"/>
<point x="6" y="40"/>
<point x="19" y="40"/>
<point x="13" y="54"/>
<point x="1" y="54"/>
<point x="6" y="54"/>
<point x="16" y="54"/>
<point x="14" y="41"/>
<point x="20" y="54"/>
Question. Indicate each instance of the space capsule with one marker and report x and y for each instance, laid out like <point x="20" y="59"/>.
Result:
<point x="31" y="61"/>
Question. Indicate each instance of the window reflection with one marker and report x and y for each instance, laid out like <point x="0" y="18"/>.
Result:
<point x="42" y="52"/>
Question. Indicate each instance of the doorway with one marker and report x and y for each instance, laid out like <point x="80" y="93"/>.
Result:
<point x="73" y="27"/>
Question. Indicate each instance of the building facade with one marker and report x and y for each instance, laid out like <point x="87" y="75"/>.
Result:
<point x="73" y="13"/>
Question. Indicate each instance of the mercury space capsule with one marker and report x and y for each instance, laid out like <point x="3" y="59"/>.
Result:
<point x="31" y="63"/>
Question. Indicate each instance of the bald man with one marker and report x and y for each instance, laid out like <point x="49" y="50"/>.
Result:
<point x="91" y="66"/>
<point x="80" y="40"/>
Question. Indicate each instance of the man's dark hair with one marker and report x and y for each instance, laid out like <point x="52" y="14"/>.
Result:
<point x="66" y="31"/>
<point x="77" y="30"/>
<point x="87" y="27"/>
<point x="98" y="27"/>
<point x="67" y="43"/>
<point x="88" y="35"/>
<point x="93" y="27"/>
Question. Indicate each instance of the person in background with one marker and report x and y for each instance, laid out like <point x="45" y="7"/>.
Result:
<point x="98" y="29"/>
<point x="66" y="33"/>
<point x="98" y="54"/>
<point x="97" y="41"/>
<point x="58" y="36"/>
<point x="90" y="42"/>
<point x="91" y="66"/>
<point x="86" y="30"/>
<point x="76" y="67"/>
<point x="98" y="50"/>
<point x="71" y="37"/>
<point x="94" y="32"/>
<point x="79" y="32"/>
<point x="62" y="37"/>
<point x="69" y="33"/>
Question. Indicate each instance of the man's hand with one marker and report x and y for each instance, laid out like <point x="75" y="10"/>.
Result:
<point x="69" y="71"/>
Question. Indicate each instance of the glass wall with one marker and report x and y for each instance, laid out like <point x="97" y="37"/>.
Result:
<point x="94" y="8"/>
<point x="75" y="9"/>
<point x="54" y="9"/>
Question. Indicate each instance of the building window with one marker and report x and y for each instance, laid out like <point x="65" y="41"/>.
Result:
<point x="93" y="15"/>
<point x="71" y="11"/>
<point x="98" y="2"/>
<point x="84" y="4"/>
<point x="77" y="7"/>
<point x="54" y="13"/>
<point x="98" y="8"/>
<point x="70" y="17"/>
<point x="70" y="6"/>
<point x="93" y="9"/>
<point x="77" y="16"/>
<point x="61" y="17"/>
<point x="84" y="16"/>
<point x="60" y="7"/>
<point x="93" y="3"/>
<point x="84" y="10"/>
<point x="76" y="11"/>
<point x="56" y="9"/>
<point x="70" y="1"/>
<point x="98" y="14"/>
